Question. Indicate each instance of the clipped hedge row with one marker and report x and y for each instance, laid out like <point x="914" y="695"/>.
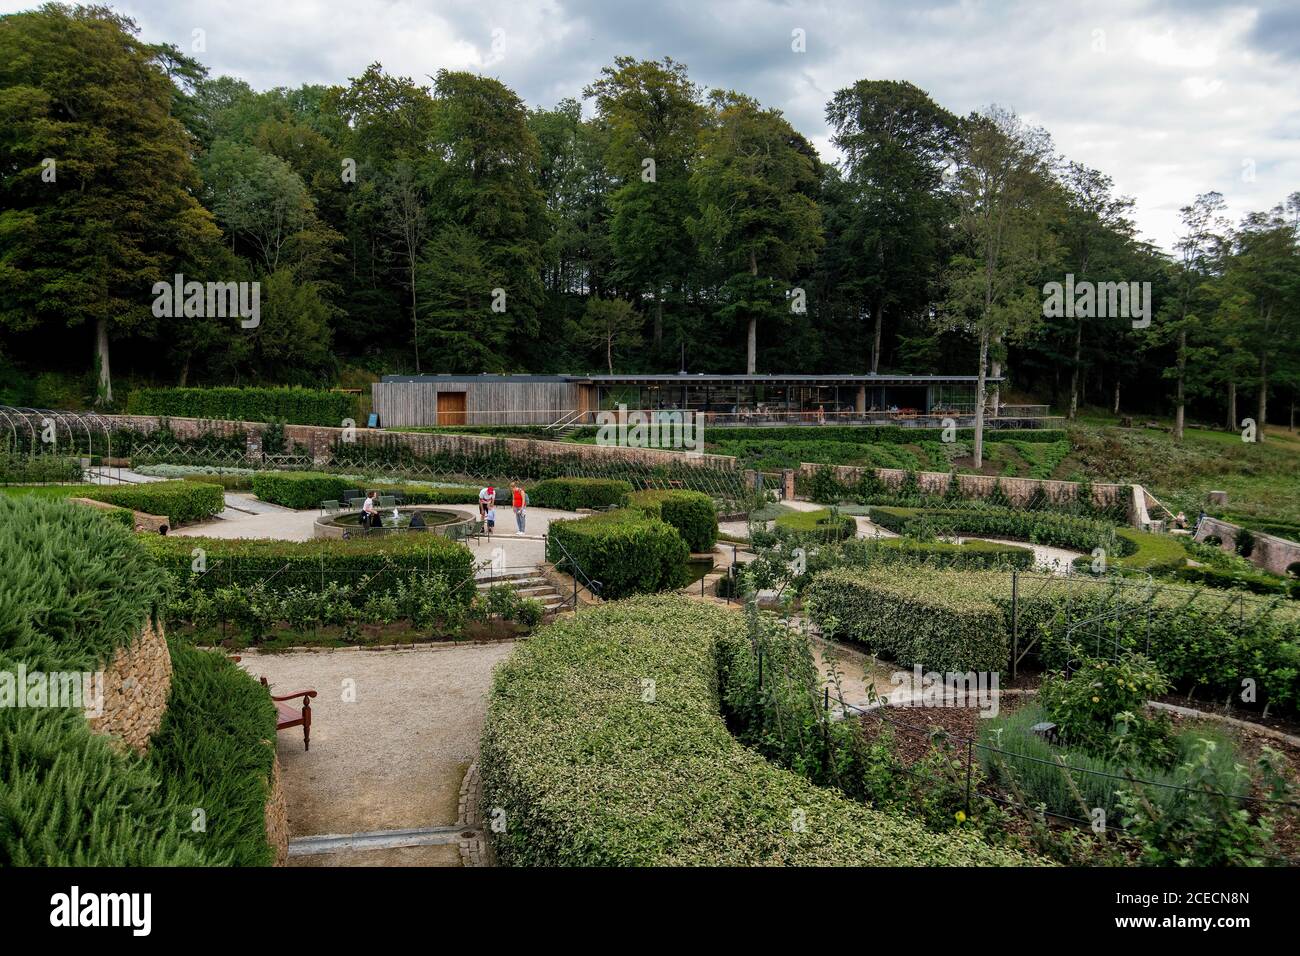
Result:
<point x="968" y="554"/>
<point x="570" y="494"/>
<point x="180" y="501"/>
<point x="297" y="406"/>
<point x="299" y="489"/>
<point x="905" y="618"/>
<point x="315" y="563"/>
<point x="19" y="469"/>
<point x="588" y="773"/>
<point x="1040" y="527"/>
<point x="1211" y="643"/>
<point x="627" y="552"/>
<point x="690" y="512"/>
<point x="820" y="525"/>
<point x="878" y="434"/>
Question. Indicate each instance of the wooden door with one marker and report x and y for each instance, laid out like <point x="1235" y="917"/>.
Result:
<point x="451" y="408"/>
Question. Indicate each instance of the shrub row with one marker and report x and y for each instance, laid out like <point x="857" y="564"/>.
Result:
<point x="818" y="526"/>
<point x="690" y="512"/>
<point x="627" y="552"/>
<point x="1259" y="583"/>
<point x="588" y="773"/>
<point x="210" y="563"/>
<point x="570" y="494"/>
<point x="180" y="501"/>
<point x="877" y="434"/>
<point x="25" y="469"/>
<point x="1211" y="643"/>
<point x="905" y="618"/>
<point x="297" y="406"/>
<point x="1040" y="527"/>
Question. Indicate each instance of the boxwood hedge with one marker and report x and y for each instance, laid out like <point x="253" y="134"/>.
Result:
<point x="285" y="564"/>
<point x="589" y="772"/>
<point x="179" y="501"/>
<point x="570" y="494"/>
<point x="907" y="619"/>
<point x="297" y="406"/>
<point x="819" y="525"/>
<point x="299" y="489"/>
<point x="627" y="552"/>
<point x="690" y="512"/>
<point x="1208" y="640"/>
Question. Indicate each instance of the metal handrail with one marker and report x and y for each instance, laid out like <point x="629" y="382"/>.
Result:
<point x="593" y="587"/>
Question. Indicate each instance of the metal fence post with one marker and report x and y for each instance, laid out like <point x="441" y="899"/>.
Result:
<point x="970" y="761"/>
<point x="1015" y="623"/>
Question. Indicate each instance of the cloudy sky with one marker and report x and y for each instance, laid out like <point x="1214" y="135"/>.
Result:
<point x="1170" y="97"/>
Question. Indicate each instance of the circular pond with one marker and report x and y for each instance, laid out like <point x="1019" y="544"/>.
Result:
<point x="396" y="520"/>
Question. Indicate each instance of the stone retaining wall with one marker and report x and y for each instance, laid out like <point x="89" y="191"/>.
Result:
<point x="136" y="684"/>
<point x="1271" y="553"/>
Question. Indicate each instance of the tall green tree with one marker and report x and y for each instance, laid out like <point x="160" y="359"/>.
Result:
<point x="755" y="189"/>
<point x="1001" y="179"/>
<point x="97" y="185"/>
<point x="897" y="143"/>
<point x="653" y="117"/>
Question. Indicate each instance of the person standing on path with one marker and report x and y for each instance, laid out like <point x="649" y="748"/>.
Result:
<point x="519" y="501"/>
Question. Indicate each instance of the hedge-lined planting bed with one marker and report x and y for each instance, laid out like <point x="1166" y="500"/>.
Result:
<point x="313" y="563"/>
<point x="905" y="618"/>
<point x="1040" y="527"/>
<point x="179" y="501"/>
<point x="19" y="469"/>
<point x="1211" y="644"/>
<point x="74" y="589"/>
<point x="297" y="406"/>
<point x="570" y="494"/>
<point x="820" y="525"/>
<point x="1260" y="583"/>
<point x="690" y="512"/>
<point x="589" y="774"/>
<point x="627" y="552"/>
<point x="968" y="554"/>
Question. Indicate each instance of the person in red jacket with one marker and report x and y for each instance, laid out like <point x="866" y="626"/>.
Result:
<point x="519" y="501"/>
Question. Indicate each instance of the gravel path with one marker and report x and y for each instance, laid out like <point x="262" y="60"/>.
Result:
<point x="393" y="733"/>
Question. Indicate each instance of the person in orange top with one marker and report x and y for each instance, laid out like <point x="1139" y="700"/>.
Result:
<point x="519" y="501"/>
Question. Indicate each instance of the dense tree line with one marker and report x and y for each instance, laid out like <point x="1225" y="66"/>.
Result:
<point x="396" y="226"/>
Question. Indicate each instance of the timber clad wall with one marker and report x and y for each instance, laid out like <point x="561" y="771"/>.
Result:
<point x="413" y="404"/>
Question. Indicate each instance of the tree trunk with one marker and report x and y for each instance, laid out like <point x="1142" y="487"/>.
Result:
<point x="1115" y="409"/>
<point x="1261" y="419"/>
<point x="659" y="319"/>
<point x="105" y="385"/>
<point x="185" y="370"/>
<point x="751" y="351"/>
<point x="1074" y="374"/>
<point x="609" y="353"/>
<point x="879" y="311"/>
<point x="978" y="452"/>
<point x="1232" y="406"/>
<point x="995" y="371"/>
<point x="1179" y="397"/>
<point x="415" y="318"/>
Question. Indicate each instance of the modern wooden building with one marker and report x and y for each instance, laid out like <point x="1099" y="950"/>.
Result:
<point x="558" y="400"/>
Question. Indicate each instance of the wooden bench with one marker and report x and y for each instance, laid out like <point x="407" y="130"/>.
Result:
<point x="286" y="715"/>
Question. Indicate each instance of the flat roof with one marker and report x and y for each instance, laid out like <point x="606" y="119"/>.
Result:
<point x="699" y="378"/>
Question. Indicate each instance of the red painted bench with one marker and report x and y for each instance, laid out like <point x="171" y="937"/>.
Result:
<point x="287" y="715"/>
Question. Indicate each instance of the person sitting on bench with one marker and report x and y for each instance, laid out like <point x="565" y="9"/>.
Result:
<point x="417" y="522"/>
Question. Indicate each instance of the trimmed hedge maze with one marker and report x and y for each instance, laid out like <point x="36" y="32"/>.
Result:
<point x="592" y="770"/>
